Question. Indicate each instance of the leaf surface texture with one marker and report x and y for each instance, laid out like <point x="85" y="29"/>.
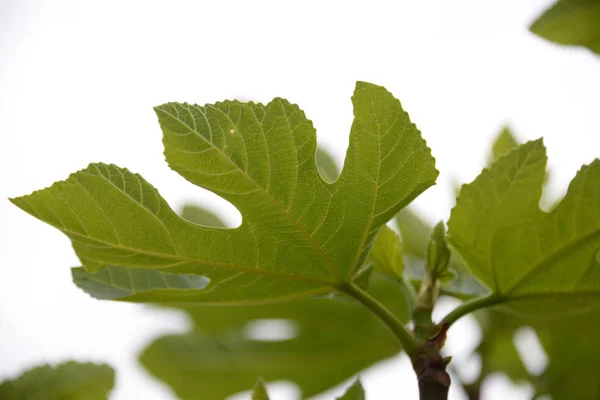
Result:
<point x="538" y="262"/>
<point x="300" y="235"/>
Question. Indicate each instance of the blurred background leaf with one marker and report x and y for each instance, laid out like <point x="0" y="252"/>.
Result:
<point x="571" y="22"/>
<point x="330" y="341"/>
<point x="68" y="381"/>
<point x="354" y="392"/>
<point x="327" y="166"/>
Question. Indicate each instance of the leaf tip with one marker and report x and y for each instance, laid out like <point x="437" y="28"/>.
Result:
<point x="364" y="85"/>
<point x="354" y="392"/>
<point x="259" y="391"/>
<point x="361" y="84"/>
<point x="440" y="228"/>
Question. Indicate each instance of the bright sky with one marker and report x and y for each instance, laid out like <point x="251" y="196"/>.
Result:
<point x="78" y="81"/>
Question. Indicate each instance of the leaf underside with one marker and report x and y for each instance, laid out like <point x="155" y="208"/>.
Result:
<point x="535" y="262"/>
<point x="300" y="235"/>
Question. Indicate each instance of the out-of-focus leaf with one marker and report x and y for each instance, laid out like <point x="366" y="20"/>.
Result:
<point x="571" y="22"/>
<point x="260" y="392"/>
<point x="504" y="142"/>
<point x="334" y="341"/>
<point x="354" y="392"/>
<point x="202" y="216"/>
<point x="415" y="233"/>
<point x="67" y="381"/>
<point x="386" y="253"/>
<point x="569" y="342"/>
<point x="327" y="166"/>
<point x="497" y="349"/>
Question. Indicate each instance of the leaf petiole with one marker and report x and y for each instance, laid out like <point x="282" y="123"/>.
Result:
<point x="406" y="339"/>
<point x="471" y="306"/>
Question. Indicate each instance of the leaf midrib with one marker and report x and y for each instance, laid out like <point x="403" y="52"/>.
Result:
<point x="283" y="210"/>
<point x="375" y="197"/>
<point x="548" y="260"/>
<point x="496" y="299"/>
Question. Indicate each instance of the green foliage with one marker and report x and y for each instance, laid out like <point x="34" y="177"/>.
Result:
<point x="387" y="253"/>
<point x="436" y="272"/>
<point x="354" y="392"/>
<point x="497" y="348"/>
<point x="504" y="142"/>
<point x="67" y="381"/>
<point x="334" y="341"/>
<point x="415" y="233"/>
<point x="571" y="372"/>
<point x="326" y="332"/>
<point x="199" y="215"/>
<point x="313" y="244"/>
<point x="571" y="344"/>
<point x="536" y="262"/>
<point x="568" y="341"/>
<point x="571" y="22"/>
<point x="300" y="235"/>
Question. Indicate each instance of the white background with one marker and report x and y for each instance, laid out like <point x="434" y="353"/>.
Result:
<point x="78" y="80"/>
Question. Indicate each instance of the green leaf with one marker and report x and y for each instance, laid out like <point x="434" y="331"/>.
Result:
<point x="145" y="285"/>
<point x="327" y="166"/>
<point x="571" y="22"/>
<point x="571" y="344"/>
<point x="334" y="341"/>
<point x="536" y="262"/>
<point x="497" y="348"/>
<point x="300" y="235"/>
<point x="67" y="381"/>
<point x="267" y="153"/>
<point x="387" y="253"/>
<point x="201" y="216"/>
<point x="504" y="142"/>
<point x="354" y="392"/>
<point x="260" y="392"/>
<point x="415" y="233"/>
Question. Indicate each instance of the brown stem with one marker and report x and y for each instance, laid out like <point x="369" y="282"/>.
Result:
<point x="430" y="367"/>
<point x="434" y="381"/>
